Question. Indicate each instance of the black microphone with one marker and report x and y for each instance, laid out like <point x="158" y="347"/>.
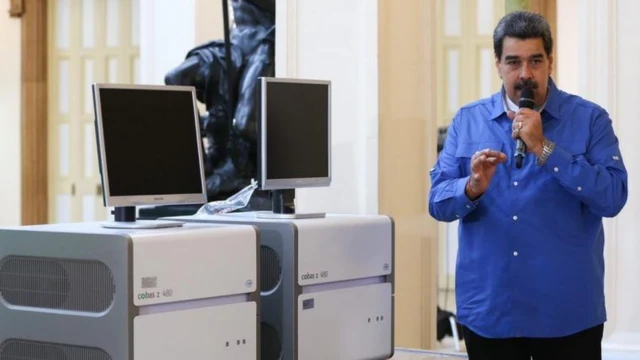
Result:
<point x="526" y="101"/>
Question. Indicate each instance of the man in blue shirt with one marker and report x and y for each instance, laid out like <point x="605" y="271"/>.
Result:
<point x="530" y="268"/>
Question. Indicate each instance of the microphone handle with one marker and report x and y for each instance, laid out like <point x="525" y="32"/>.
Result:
<point x="519" y="159"/>
<point x="521" y="149"/>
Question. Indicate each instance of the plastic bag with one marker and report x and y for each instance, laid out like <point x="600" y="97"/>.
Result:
<point x="237" y="201"/>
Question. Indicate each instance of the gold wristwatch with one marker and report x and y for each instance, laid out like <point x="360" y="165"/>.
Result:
<point x="547" y="149"/>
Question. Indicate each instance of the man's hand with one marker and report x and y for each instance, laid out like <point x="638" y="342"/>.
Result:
<point x="483" y="167"/>
<point x="527" y="125"/>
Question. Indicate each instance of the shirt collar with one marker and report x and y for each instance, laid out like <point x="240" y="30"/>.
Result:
<point x="552" y="105"/>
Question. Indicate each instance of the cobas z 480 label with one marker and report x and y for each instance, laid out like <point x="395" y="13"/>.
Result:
<point x="147" y="295"/>
<point x="315" y="275"/>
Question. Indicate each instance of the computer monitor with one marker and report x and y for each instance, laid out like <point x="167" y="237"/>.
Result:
<point x="294" y="135"/>
<point x="149" y="149"/>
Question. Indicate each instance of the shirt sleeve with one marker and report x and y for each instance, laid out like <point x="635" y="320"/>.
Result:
<point x="447" y="199"/>
<point x="598" y="177"/>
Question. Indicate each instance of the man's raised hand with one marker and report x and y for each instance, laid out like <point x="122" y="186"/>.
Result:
<point x="483" y="167"/>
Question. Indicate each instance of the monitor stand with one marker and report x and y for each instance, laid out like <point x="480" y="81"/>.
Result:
<point x="125" y="218"/>
<point x="281" y="211"/>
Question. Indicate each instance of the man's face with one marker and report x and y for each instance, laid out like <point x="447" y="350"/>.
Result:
<point x="524" y="63"/>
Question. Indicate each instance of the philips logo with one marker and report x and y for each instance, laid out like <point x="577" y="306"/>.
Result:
<point x="158" y="198"/>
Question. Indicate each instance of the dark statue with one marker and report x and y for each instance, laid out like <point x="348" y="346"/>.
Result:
<point x="230" y="141"/>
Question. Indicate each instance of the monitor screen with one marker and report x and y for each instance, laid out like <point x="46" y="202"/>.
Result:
<point x="294" y="133"/>
<point x="149" y="145"/>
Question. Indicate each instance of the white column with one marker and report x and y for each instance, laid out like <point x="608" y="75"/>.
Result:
<point x="170" y="28"/>
<point x="599" y="55"/>
<point x="167" y="32"/>
<point x="624" y="264"/>
<point x="10" y="120"/>
<point x="338" y="42"/>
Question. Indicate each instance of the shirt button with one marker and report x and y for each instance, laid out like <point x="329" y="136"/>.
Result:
<point x="515" y="253"/>
<point x="515" y="217"/>
<point x="579" y="188"/>
<point x="515" y="183"/>
<point x="555" y="169"/>
<point x="468" y="206"/>
<point x="457" y="215"/>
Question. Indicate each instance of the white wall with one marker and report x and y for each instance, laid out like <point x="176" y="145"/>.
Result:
<point x="338" y="42"/>
<point x="209" y="22"/>
<point x="10" y="120"/>
<point x="599" y="56"/>
<point x="566" y="40"/>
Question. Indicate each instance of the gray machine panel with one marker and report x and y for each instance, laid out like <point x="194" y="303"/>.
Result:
<point x="278" y="306"/>
<point x="106" y="330"/>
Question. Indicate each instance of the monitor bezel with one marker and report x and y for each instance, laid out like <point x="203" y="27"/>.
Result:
<point x="292" y="183"/>
<point x="142" y="200"/>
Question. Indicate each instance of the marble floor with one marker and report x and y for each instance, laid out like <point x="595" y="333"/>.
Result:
<point x="410" y="354"/>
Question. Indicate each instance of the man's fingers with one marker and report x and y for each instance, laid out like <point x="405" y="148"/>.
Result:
<point x="494" y="160"/>
<point x="477" y="162"/>
<point x="488" y="153"/>
<point x="495" y="154"/>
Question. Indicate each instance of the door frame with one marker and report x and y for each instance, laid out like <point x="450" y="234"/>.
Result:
<point x="34" y="130"/>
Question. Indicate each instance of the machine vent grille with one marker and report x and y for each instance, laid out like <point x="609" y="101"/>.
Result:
<point x="270" y="345"/>
<point x="271" y="269"/>
<point x="62" y="284"/>
<point x="32" y="350"/>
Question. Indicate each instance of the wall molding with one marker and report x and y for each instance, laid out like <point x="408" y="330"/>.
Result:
<point x="34" y="195"/>
<point x="16" y="8"/>
<point x="430" y="246"/>
<point x="407" y="147"/>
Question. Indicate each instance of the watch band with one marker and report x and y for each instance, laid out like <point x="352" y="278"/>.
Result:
<point x="547" y="149"/>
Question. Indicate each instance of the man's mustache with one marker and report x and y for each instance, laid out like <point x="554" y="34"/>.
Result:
<point x="526" y="84"/>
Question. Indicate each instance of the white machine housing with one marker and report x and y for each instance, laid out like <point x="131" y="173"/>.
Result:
<point x="81" y="291"/>
<point x="327" y="285"/>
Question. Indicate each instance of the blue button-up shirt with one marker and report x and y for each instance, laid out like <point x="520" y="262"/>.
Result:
<point x="530" y="258"/>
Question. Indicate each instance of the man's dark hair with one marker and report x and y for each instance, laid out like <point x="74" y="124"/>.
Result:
<point x="522" y="25"/>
